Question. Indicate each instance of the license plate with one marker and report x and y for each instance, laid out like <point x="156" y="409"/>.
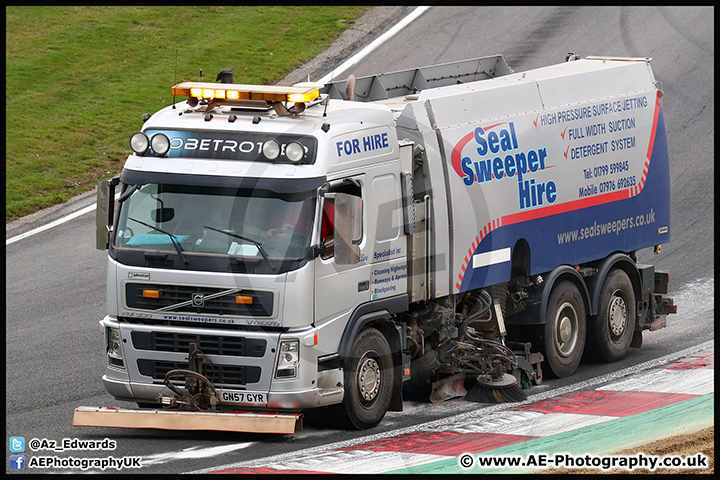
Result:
<point x="243" y="397"/>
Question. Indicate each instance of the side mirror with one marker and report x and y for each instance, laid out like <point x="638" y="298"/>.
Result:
<point x="348" y="228"/>
<point x="104" y="212"/>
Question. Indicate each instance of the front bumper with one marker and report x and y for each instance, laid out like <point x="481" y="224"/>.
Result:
<point x="287" y="400"/>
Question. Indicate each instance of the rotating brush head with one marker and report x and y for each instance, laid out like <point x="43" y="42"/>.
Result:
<point x="505" y="389"/>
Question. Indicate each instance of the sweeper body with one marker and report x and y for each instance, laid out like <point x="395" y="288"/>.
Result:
<point x="442" y="231"/>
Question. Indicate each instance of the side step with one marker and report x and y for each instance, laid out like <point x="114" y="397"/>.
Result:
<point x="250" y="422"/>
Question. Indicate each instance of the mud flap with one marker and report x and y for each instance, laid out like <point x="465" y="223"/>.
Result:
<point x="448" y="388"/>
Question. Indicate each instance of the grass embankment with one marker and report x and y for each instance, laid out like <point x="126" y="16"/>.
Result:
<point x="78" y="79"/>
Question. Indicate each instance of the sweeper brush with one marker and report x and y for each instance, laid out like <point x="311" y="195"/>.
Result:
<point x="503" y="390"/>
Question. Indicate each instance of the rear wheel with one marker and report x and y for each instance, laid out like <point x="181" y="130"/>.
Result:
<point x="564" y="333"/>
<point x="610" y="332"/>
<point x="368" y="380"/>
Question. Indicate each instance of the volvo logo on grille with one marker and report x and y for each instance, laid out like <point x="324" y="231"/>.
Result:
<point x="198" y="299"/>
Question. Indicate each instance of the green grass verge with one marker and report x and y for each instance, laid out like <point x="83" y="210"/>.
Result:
<point x="78" y="79"/>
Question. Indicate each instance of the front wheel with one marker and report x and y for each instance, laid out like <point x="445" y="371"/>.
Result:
<point x="369" y="379"/>
<point x="564" y="335"/>
<point x="610" y="332"/>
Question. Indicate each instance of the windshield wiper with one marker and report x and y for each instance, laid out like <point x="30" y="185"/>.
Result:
<point x="255" y="242"/>
<point x="172" y="239"/>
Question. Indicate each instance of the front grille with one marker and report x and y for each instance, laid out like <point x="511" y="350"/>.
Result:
<point x="208" y="344"/>
<point x="197" y="300"/>
<point x="235" y="267"/>
<point x="159" y="263"/>
<point x="217" y="374"/>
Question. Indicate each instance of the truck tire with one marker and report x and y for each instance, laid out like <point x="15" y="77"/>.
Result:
<point x="610" y="332"/>
<point x="369" y="378"/>
<point x="564" y="333"/>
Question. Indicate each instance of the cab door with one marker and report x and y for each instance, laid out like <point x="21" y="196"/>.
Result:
<point x="340" y="287"/>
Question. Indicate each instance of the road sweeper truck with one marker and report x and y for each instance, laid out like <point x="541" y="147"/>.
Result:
<point x="453" y="229"/>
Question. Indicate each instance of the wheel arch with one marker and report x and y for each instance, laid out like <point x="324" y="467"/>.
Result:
<point x="616" y="260"/>
<point x="520" y="264"/>
<point x="380" y="320"/>
<point x="557" y="275"/>
<point x="377" y="314"/>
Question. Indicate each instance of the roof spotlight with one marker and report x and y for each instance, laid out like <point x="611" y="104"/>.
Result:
<point x="294" y="151"/>
<point x="271" y="149"/>
<point x="160" y="144"/>
<point x="139" y="143"/>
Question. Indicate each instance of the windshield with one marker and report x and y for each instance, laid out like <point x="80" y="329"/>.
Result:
<point x="199" y="221"/>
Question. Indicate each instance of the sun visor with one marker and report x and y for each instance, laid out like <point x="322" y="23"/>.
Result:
<point x="280" y="185"/>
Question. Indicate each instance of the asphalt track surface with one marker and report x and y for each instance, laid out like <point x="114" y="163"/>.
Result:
<point x="55" y="279"/>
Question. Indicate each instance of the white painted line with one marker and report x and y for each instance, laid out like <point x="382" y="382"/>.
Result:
<point x="491" y="258"/>
<point x="373" y="45"/>
<point x="696" y="381"/>
<point x="193" y="452"/>
<point x="59" y="221"/>
<point x="357" y="461"/>
<point x="500" y="422"/>
<point x="533" y="424"/>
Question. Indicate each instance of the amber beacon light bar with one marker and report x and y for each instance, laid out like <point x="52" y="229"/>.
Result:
<point x="210" y="91"/>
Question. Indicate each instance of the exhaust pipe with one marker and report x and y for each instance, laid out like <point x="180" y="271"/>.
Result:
<point x="350" y="89"/>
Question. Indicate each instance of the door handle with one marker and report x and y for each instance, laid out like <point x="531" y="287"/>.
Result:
<point x="362" y="286"/>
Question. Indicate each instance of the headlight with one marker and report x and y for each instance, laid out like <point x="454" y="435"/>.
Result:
<point x="288" y="360"/>
<point x="114" y="349"/>
<point x="160" y="144"/>
<point x="139" y="143"/>
<point x="294" y="151"/>
<point x="271" y="149"/>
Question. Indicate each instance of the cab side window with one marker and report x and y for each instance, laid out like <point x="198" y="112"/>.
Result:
<point x="328" y="216"/>
<point x="328" y="227"/>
